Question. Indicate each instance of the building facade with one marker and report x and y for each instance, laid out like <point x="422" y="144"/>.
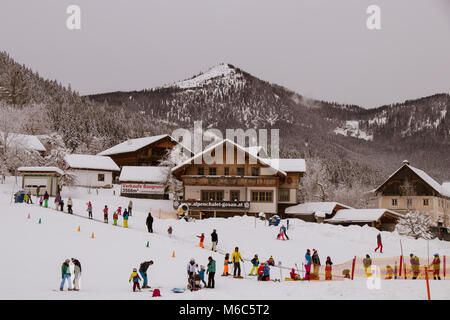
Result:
<point x="412" y="189"/>
<point x="244" y="184"/>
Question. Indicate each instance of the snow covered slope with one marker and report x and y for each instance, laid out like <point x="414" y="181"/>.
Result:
<point x="32" y="253"/>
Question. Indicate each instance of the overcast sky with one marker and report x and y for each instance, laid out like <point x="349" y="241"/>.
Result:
<point x="321" y="49"/>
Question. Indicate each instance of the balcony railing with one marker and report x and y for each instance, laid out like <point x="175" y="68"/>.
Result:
<point x="231" y="181"/>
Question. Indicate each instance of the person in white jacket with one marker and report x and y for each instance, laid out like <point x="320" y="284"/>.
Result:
<point x="77" y="274"/>
<point x="69" y="205"/>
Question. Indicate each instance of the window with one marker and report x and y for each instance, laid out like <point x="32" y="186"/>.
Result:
<point x="101" y="177"/>
<point x="226" y="171"/>
<point x="409" y="202"/>
<point x="394" y="202"/>
<point x="262" y="196"/>
<point x="212" y="195"/>
<point x="212" y="171"/>
<point x="425" y="202"/>
<point x="201" y="171"/>
<point x="240" y="171"/>
<point x="284" y="195"/>
<point x="234" y="195"/>
<point x="255" y="171"/>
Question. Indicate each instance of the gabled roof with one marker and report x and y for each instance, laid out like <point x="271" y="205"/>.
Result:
<point x="308" y="208"/>
<point x="132" y="145"/>
<point x="144" y="174"/>
<point x="87" y="161"/>
<point x="210" y="148"/>
<point x="361" y="215"/>
<point x="424" y="176"/>
<point x="41" y="169"/>
<point x="24" y="141"/>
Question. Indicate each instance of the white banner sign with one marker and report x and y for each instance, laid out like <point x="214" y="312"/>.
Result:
<point x="142" y="188"/>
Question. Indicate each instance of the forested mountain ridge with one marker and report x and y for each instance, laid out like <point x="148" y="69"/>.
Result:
<point x="349" y="149"/>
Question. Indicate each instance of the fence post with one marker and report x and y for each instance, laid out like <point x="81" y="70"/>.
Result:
<point x="401" y="265"/>
<point x="404" y="269"/>
<point x="353" y="266"/>
<point x="444" y="267"/>
<point x="428" y="283"/>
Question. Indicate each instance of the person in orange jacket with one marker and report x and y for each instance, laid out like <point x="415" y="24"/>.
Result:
<point x="202" y="238"/>
<point x="225" y="265"/>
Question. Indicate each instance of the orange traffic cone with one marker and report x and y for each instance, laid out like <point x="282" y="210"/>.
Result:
<point x="78" y="229"/>
<point x="92" y="235"/>
<point x="173" y="254"/>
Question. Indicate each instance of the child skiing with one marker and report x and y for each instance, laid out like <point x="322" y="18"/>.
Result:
<point x="57" y="198"/>
<point x="367" y="262"/>
<point x="125" y="218"/>
<point x="260" y="271"/>
<point x="135" y="277"/>
<point x="389" y="272"/>
<point x="115" y="217"/>
<point x="46" y="196"/>
<point x="105" y="214"/>
<point x="202" y="274"/>
<point x="328" y="265"/>
<point x="89" y="209"/>
<point x="202" y="238"/>
<point x="255" y="263"/>
<point x="225" y="265"/>
<point x="271" y="261"/>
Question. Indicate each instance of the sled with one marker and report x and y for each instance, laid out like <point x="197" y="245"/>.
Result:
<point x="290" y="279"/>
<point x="178" y="290"/>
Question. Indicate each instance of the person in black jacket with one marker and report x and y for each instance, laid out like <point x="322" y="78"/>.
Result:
<point x="316" y="264"/>
<point x="149" y="222"/>
<point x="143" y="271"/>
<point x="214" y="240"/>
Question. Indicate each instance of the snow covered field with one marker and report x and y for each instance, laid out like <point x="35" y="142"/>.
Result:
<point x="32" y="253"/>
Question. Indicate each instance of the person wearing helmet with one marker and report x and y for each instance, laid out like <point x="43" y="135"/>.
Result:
<point x="261" y="271"/>
<point x="436" y="263"/>
<point x="135" y="277"/>
<point x="65" y="273"/>
<point x="202" y="274"/>
<point x="415" y="265"/>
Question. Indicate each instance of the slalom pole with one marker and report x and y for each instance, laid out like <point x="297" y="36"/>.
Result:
<point x="444" y="266"/>
<point x="428" y="283"/>
<point x="353" y="266"/>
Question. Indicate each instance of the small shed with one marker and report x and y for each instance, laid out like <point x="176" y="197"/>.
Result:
<point x="91" y="171"/>
<point x="314" y="211"/>
<point x="382" y="219"/>
<point x="144" y="182"/>
<point x="37" y="180"/>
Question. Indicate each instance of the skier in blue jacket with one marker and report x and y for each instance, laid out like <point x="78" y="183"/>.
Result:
<point x="266" y="272"/>
<point x="308" y="264"/>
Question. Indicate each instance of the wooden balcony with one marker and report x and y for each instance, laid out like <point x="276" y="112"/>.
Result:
<point x="230" y="181"/>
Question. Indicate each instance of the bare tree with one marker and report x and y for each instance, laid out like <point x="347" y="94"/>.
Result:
<point x="415" y="224"/>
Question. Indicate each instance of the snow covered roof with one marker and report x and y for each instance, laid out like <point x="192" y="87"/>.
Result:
<point x="143" y="174"/>
<point x="424" y="176"/>
<point x="289" y="165"/>
<point x="259" y="159"/>
<point x="132" y="145"/>
<point x="87" y="161"/>
<point x="308" y="208"/>
<point x="361" y="215"/>
<point x="446" y="188"/>
<point x="41" y="169"/>
<point x="24" y="141"/>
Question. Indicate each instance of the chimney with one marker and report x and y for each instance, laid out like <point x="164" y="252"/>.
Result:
<point x="405" y="162"/>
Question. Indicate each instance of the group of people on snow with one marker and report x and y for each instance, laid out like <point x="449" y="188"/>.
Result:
<point x="66" y="275"/>
<point x="197" y="275"/>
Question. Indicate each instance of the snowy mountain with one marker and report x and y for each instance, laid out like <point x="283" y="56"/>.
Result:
<point x="227" y="97"/>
